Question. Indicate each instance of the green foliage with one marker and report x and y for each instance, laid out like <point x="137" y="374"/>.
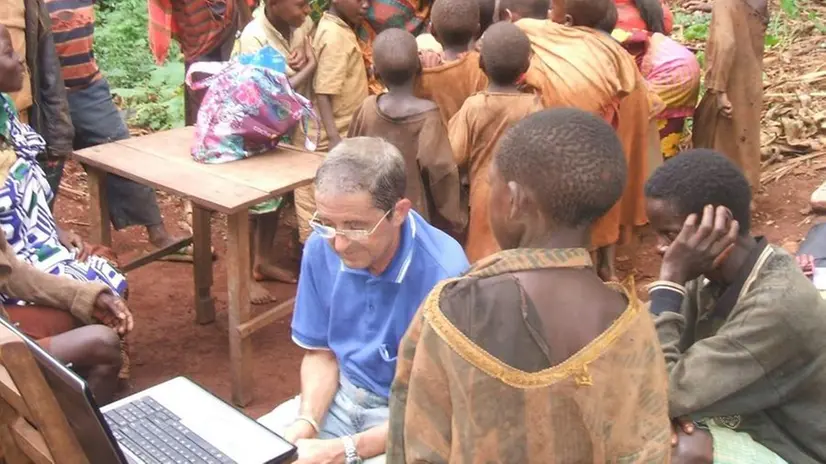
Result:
<point x="789" y="7"/>
<point x="154" y="93"/>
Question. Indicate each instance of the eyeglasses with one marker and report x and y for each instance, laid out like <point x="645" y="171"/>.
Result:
<point x="350" y="234"/>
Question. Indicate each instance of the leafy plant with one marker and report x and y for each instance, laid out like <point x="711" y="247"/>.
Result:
<point x="153" y="93"/>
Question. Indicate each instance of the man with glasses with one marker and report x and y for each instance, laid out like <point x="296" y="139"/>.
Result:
<point x="369" y="263"/>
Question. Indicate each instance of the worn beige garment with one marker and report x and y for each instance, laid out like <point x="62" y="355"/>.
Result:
<point x="578" y="67"/>
<point x="432" y="177"/>
<point x="451" y="83"/>
<point x="477" y="380"/>
<point x="13" y="16"/>
<point x="734" y="64"/>
<point x="474" y="132"/>
<point x="260" y="33"/>
<point x="340" y="73"/>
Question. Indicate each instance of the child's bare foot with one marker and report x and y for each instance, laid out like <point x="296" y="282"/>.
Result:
<point x="275" y="273"/>
<point x="259" y="294"/>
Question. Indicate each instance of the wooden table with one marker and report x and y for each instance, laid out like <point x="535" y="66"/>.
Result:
<point x="163" y="161"/>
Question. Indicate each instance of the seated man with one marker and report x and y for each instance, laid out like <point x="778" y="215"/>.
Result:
<point x="742" y="329"/>
<point x="530" y="357"/>
<point x="58" y="308"/>
<point x="367" y="266"/>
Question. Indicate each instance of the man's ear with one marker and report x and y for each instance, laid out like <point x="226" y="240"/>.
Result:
<point x="400" y="211"/>
<point x="569" y="20"/>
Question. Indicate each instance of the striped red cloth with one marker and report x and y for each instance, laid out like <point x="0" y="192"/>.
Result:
<point x="197" y="25"/>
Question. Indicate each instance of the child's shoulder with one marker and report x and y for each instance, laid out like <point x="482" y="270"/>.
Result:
<point x="334" y="32"/>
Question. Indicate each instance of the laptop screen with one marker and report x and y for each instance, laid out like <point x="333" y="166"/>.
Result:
<point x="78" y="405"/>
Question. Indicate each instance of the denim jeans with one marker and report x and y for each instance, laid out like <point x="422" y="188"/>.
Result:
<point x="354" y="410"/>
<point x="98" y="121"/>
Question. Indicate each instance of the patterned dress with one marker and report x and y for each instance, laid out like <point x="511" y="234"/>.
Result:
<point x="26" y="218"/>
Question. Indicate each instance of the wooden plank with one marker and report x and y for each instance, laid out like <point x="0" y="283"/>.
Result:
<point x="12" y="454"/>
<point x="46" y="412"/>
<point x="156" y="255"/>
<point x="277" y="172"/>
<point x="31" y="442"/>
<point x="202" y="265"/>
<point x="100" y="229"/>
<point x="10" y="393"/>
<point x="203" y="188"/>
<point x="266" y="318"/>
<point x="238" y="275"/>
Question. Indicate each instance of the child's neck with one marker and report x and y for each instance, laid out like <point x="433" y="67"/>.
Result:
<point x="279" y="24"/>
<point x="400" y="101"/>
<point x="454" y="53"/>
<point x="335" y="13"/>
<point x="559" y="238"/>
<point x="498" y="88"/>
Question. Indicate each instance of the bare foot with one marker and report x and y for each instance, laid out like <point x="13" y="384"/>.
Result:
<point x="273" y="272"/>
<point x="259" y="294"/>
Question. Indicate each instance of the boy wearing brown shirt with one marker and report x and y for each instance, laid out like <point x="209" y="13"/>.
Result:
<point x="455" y="24"/>
<point x="415" y="127"/>
<point x="339" y="86"/>
<point x="475" y="130"/>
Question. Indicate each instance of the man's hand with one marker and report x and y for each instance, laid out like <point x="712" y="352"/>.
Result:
<point x="700" y="248"/>
<point x="320" y="451"/>
<point x="724" y="105"/>
<point x="112" y="311"/>
<point x="299" y="430"/>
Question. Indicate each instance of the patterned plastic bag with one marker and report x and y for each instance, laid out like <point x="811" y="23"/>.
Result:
<point x="246" y="111"/>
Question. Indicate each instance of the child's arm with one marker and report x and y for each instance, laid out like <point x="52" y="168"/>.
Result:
<point x="331" y="71"/>
<point x="441" y="179"/>
<point x="306" y="73"/>
<point x="325" y="110"/>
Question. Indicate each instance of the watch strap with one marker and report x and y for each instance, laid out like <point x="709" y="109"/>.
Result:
<point x="350" y="454"/>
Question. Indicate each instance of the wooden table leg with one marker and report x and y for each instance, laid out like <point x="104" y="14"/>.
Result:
<point x="101" y="231"/>
<point x="238" y="275"/>
<point x="201" y="244"/>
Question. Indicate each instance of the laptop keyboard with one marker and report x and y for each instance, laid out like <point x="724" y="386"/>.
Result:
<point x="156" y="436"/>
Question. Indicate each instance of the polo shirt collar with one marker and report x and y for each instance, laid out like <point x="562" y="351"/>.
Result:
<point x="397" y="270"/>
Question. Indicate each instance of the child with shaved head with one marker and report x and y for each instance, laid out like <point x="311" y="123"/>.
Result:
<point x="415" y="127"/>
<point x="528" y="357"/>
<point x="484" y="117"/>
<point x="455" y="24"/>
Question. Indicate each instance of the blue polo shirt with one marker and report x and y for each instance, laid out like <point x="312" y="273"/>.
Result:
<point x="362" y="317"/>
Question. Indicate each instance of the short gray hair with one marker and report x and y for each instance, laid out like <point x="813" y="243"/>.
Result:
<point x="364" y="164"/>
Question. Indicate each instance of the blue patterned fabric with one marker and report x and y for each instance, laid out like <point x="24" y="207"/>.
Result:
<point x="26" y="218"/>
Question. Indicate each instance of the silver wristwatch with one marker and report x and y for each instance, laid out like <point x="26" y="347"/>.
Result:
<point x="350" y="454"/>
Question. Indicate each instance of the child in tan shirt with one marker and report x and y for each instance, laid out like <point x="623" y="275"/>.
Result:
<point x="455" y="24"/>
<point x="339" y="86"/>
<point x="415" y="127"/>
<point x="475" y="130"/>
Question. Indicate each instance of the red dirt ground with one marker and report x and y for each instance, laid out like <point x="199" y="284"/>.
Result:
<point x="167" y="342"/>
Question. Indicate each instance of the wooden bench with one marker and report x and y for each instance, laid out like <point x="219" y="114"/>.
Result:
<point x="33" y="427"/>
<point x="163" y="161"/>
